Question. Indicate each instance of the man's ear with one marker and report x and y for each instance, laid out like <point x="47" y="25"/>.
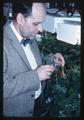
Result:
<point x="20" y="18"/>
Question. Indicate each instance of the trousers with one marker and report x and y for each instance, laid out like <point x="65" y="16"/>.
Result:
<point x="39" y="107"/>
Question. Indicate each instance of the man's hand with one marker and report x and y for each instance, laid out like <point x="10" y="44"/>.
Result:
<point x="58" y="59"/>
<point x="45" y="71"/>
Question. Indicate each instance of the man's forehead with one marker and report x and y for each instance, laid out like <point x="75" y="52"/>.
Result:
<point x="38" y="12"/>
<point x="38" y="5"/>
<point x="38" y="8"/>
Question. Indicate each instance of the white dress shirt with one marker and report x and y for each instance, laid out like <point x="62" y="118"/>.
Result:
<point x="29" y="55"/>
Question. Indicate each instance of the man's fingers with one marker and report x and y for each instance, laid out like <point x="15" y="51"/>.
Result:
<point x="58" y="58"/>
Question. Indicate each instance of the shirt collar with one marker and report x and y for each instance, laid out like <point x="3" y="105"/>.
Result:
<point x="19" y="37"/>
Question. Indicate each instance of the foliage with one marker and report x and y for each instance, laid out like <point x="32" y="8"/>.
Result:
<point x="61" y="95"/>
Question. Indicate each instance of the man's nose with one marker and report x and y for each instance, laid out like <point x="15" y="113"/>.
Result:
<point x="40" y="28"/>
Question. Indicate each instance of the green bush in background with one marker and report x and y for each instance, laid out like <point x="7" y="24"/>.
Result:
<point x="61" y="95"/>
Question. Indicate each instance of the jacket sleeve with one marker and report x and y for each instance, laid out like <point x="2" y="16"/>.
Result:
<point x="22" y="82"/>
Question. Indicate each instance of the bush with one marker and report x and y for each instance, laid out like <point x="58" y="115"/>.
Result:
<point x="61" y="95"/>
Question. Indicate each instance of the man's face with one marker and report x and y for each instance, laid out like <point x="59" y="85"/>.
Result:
<point x="33" y="24"/>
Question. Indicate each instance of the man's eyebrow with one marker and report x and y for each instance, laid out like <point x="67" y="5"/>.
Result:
<point x="37" y="22"/>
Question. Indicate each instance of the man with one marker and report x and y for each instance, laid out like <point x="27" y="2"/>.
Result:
<point x="23" y="69"/>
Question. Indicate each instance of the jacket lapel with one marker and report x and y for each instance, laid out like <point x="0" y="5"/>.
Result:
<point x="16" y="45"/>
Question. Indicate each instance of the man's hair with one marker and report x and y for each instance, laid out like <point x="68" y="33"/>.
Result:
<point x="21" y="6"/>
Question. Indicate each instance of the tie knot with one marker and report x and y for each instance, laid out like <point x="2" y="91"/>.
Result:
<point x="26" y="41"/>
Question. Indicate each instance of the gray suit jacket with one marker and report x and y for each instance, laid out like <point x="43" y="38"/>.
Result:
<point x="19" y="81"/>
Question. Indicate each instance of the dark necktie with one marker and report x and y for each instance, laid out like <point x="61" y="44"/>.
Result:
<point x="26" y="41"/>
